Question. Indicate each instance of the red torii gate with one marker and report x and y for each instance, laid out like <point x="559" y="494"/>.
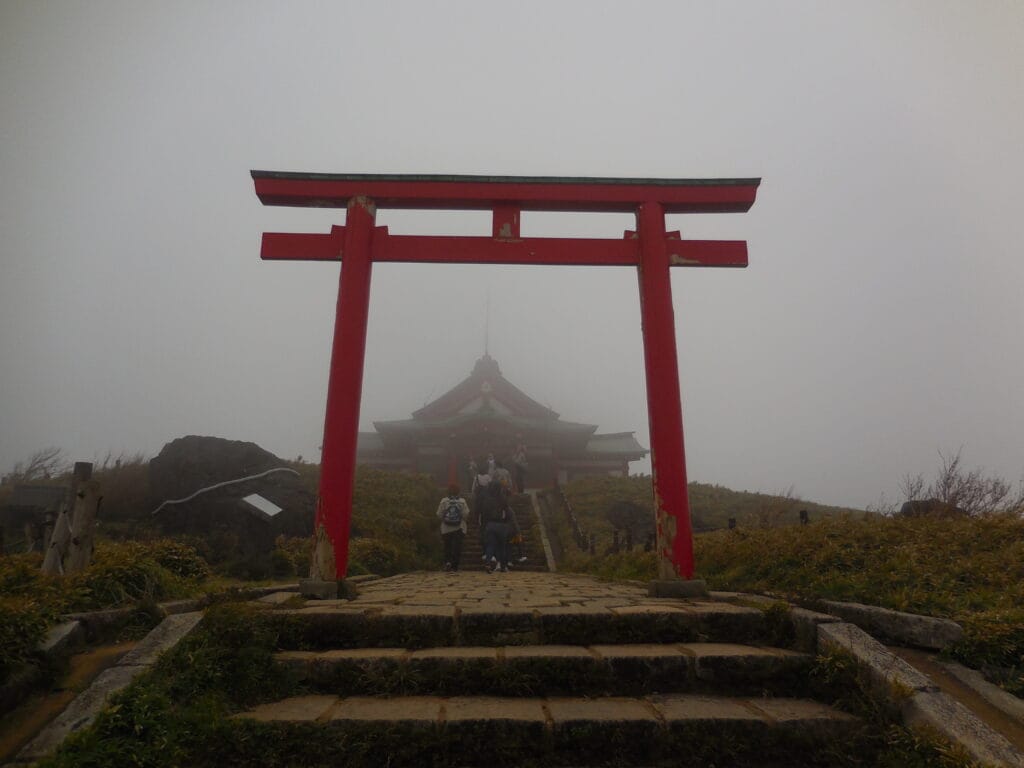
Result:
<point x="650" y="249"/>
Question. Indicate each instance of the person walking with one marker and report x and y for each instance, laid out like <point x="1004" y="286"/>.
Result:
<point x="497" y="531"/>
<point x="453" y="512"/>
<point x="520" y="464"/>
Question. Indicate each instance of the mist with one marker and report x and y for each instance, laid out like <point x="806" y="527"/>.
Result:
<point x="878" y="323"/>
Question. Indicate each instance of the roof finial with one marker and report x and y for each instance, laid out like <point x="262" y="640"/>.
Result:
<point x="487" y="324"/>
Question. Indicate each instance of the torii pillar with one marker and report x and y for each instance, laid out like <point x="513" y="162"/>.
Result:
<point x="650" y="249"/>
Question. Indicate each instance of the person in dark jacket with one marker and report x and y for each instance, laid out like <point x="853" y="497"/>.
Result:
<point x="453" y="512"/>
<point x="495" y="518"/>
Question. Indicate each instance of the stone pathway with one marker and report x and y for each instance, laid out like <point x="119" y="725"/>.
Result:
<point x="562" y="669"/>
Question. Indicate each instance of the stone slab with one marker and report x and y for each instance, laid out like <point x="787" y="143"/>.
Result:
<point x="276" y="598"/>
<point x="298" y="709"/>
<point x="805" y="626"/>
<point x="423" y="709"/>
<point x="647" y="610"/>
<point x="98" y="624"/>
<point x="174" y="607"/>
<point x="317" y="589"/>
<point x="165" y="635"/>
<point x="938" y="712"/>
<point x="546" y="652"/>
<point x="611" y="709"/>
<point x="733" y="650"/>
<point x="679" y="588"/>
<point x="80" y="713"/>
<point x="703" y="708"/>
<point x="479" y="708"/>
<point x="798" y="710"/>
<point x="905" y="628"/>
<point x="640" y="651"/>
<point x="888" y="674"/>
<point x="341" y="654"/>
<point x="62" y="638"/>
<point x="455" y="653"/>
<point x="1005" y="702"/>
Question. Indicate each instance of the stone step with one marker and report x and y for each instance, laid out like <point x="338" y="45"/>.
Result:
<point x="526" y="620"/>
<point x="555" y="670"/>
<point x="475" y="730"/>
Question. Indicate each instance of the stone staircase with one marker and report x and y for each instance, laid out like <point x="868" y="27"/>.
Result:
<point x="522" y="509"/>
<point x="549" y="669"/>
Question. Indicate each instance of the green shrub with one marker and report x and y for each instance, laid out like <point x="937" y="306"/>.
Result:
<point x="281" y="563"/>
<point x="23" y="624"/>
<point x="124" y="573"/>
<point x="373" y="556"/>
<point x="180" y="559"/>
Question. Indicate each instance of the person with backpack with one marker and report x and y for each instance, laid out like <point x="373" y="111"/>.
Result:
<point x="495" y="520"/>
<point x="453" y="511"/>
<point x="503" y="477"/>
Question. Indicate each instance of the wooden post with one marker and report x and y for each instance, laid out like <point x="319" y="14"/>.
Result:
<point x="53" y="561"/>
<point x="83" y="525"/>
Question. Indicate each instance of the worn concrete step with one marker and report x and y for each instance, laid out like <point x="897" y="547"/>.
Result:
<point x="334" y="624"/>
<point x="576" y="670"/>
<point x="666" y="729"/>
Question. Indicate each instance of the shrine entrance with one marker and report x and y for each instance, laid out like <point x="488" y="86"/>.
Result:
<point x="650" y="248"/>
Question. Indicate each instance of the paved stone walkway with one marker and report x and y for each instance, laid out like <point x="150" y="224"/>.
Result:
<point x="512" y="590"/>
<point x="502" y="591"/>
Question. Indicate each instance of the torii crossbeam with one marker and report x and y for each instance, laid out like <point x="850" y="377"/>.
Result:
<point x="650" y="249"/>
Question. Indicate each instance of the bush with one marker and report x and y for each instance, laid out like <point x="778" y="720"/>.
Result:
<point x="23" y="624"/>
<point x="180" y="559"/>
<point x="281" y="563"/>
<point x="124" y="573"/>
<point x="373" y="556"/>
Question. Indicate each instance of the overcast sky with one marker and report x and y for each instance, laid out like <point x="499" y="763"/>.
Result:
<point x="879" y="321"/>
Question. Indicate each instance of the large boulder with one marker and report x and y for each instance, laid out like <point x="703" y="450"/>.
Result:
<point x="234" y="528"/>
<point x="931" y="508"/>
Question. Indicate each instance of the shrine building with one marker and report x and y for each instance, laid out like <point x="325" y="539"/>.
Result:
<point x="485" y="413"/>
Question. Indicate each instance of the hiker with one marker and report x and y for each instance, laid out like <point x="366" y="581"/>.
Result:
<point x="494" y="520"/>
<point x="490" y="464"/>
<point x="519" y="464"/>
<point x="453" y="511"/>
<point x="471" y="468"/>
<point x="503" y="477"/>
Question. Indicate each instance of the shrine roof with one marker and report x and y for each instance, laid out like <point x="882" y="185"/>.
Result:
<point x="485" y="388"/>
<point x="424" y="425"/>
<point x="616" y="443"/>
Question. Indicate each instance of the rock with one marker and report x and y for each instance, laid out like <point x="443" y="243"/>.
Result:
<point x="232" y="528"/>
<point x="907" y="628"/>
<point x="931" y="508"/>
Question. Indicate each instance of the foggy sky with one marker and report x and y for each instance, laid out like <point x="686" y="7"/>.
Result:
<point x="879" y="320"/>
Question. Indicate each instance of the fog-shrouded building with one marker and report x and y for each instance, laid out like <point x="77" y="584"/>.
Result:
<point x="485" y="413"/>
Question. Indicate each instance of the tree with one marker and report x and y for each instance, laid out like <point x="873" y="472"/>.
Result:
<point x="974" y="492"/>
<point x="42" y="465"/>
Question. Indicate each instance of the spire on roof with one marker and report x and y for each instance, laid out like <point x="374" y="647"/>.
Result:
<point x="486" y="367"/>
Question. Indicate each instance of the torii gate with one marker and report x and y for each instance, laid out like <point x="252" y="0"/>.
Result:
<point x="650" y="249"/>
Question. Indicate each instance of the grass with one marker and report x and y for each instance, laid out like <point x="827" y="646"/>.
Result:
<point x="122" y="574"/>
<point x="970" y="570"/>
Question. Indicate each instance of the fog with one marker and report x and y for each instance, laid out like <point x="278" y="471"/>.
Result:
<point x="878" y="323"/>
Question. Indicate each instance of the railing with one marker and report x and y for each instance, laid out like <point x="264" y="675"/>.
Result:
<point x="586" y="543"/>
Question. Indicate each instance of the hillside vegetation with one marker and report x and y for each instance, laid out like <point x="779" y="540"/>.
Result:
<point x="711" y="506"/>
<point x="969" y="569"/>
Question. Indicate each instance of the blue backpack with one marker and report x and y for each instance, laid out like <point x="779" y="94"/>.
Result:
<point x="452" y="513"/>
